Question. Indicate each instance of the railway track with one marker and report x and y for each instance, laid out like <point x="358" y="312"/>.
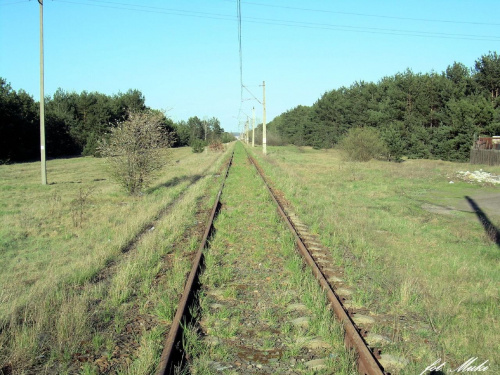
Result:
<point x="172" y="355"/>
<point x="175" y="358"/>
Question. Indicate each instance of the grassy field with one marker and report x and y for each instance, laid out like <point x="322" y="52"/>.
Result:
<point x="91" y="276"/>
<point x="415" y="255"/>
<point x="81" y="290"/>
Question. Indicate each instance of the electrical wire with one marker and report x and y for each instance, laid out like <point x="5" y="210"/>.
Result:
<point x="368" y="30"/>
<point x="238" y="10"/>
<point x="137" y="8"/>
<point x="369" y="15"/>
<point x="160" y="9"/>
<point x="376" y="29"/>
<point x="246" y="88"/>
<point x="290" y="23"/>
<point x="240" y="51"/>
<point x="16" y="2"/>
<point x="242" y="86"/>
<point x="287" y="23"/>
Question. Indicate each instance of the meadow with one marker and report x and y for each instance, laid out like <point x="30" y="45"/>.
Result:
<point x="86" y="266"/>
<point x="412" y="248"/>
<point x="91" y="276"/>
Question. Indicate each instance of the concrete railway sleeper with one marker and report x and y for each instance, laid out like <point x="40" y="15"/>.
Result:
<point x="248" y="306"/>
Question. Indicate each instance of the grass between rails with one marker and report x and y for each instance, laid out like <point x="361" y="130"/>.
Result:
<point x="81" y="290"/>
<point x="253" y="275"/>
<point x="437" y="272"/>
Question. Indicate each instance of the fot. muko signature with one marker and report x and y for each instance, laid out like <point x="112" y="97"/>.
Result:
<point x="468" y="366"/>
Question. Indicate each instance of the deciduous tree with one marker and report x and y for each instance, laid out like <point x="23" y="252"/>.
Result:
<point x="137" y="148"/>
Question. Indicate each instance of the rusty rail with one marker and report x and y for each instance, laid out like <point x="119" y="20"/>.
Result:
<point x="172" y="354"/>
<point x="366" y="360"/>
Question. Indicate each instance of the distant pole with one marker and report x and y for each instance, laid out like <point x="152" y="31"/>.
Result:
<point x="264" y="142"/>
<point x="205" y="123"/>
<point x="253" y="127"/>
<point x="42" y="102"/>
<point x="246" y="130"/>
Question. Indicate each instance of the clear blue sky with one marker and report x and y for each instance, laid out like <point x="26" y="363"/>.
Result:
<point x="184" y="55"/>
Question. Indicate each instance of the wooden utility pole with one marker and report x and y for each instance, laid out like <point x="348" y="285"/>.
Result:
<point x="42" y="102"/>
<point x="264" y="142"/>
<point x="206" y="146"/>
<point x="253" y="127"/>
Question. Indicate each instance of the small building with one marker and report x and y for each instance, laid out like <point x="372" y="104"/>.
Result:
<point x="486" y="150"/>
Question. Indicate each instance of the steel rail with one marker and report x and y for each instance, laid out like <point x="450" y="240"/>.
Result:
<point x="171" y="352"/>
<point x="366" y="360"/>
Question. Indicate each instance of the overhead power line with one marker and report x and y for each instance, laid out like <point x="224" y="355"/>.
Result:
<point x="238" y="10"/>
<point x="281" y="22"/>
<point x="149" y="9"/>
<point x="238" y="16"/>
<point x="242" y="86"/>
<point x="369" y="15"/>
<point x="12" y="3"/>
<point x="370" y="30"/>
<point x="251" y="94"/>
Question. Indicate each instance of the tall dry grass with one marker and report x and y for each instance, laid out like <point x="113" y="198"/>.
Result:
<point x="64" y="279"/>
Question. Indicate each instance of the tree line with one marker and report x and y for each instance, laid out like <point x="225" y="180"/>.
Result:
<point x="75" y="123"/>
<point x="431" y="115"/>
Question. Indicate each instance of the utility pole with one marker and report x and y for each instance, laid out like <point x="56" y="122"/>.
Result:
<point x="264" y="142"/>
<point x="246" y="131"/>
<point x="253" y="127"/>
<point x="205" y="123"/>
<point x="42" y="102"/>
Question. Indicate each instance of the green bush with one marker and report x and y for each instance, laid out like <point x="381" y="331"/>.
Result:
<point x="363" y="144"/>
<point x="198" y="146"/>
<point x="227" y="137"/>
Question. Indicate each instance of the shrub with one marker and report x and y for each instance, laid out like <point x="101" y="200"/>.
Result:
<point x="78" y="206"/>
<point x="198" y="146"/>
<point x="228" y="137"/>
<point x="363" y="144"/>
<point x="136" y="149"/>
<point x="272" y="139"/>
<point x="216" y="146"/>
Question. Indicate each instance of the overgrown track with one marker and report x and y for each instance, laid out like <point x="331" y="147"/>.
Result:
<point x="145" y="228"/>
<point x="366" y="359"/>
<point x="173" y="356"/>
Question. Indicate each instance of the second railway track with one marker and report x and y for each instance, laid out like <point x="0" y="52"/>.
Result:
<point x="249" y="306"/>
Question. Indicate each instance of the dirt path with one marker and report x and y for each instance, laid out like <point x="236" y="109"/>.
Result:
<point x="488" y="203"/>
